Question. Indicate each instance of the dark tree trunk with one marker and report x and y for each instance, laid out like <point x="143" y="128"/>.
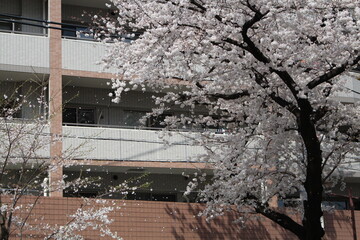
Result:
<point x="313" y="182"/>
<point x="4" y="233"/>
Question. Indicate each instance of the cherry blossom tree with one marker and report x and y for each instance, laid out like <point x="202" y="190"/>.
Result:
<point x="264" y="71"/>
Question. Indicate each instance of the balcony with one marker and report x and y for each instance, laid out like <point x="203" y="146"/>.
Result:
<point x="30" y="140"/>
<point x="351" y="166"/>
<point x="23" y="41"/>
<point x="351" y="88"/>
<point x="82" y="55"/>
<point x="25" y="53"/>
<point x="121" y="144"/>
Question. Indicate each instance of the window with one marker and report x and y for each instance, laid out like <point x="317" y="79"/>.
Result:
<point x="9" y="7"/>
<point x="213" y="124"/>
<point x="73" y="30"/>
<point x="336" y="205"/>
<point x="4" y="25"/>
<point x="10" y="108"/>
<point x="79" y="115"/>
<point x="81" y="193"/>
<point x="164" y="197"/>
<point x="12" y="7"/>
<point x="7" y="25"/>
<point x="86" y="116"/>
<point x="157" y="121"/>
<point x="69" y="115"/>
<point x="68" y="31"/>
<point x="76" y="32"/>
<point x="132" y="118"/>
<point x="146" y="196"/>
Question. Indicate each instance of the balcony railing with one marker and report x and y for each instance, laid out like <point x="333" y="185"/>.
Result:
<point x="123" y="144"/>
<point x="190" y="129"/>
<point x="15" y="24"/>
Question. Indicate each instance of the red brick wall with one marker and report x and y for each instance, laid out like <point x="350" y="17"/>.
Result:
<point x="163" y="220"/>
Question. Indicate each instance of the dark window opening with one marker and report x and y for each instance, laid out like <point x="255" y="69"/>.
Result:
<point x="132" y="118"/>
<point x="86" y="116"/>
<point x="164" y="197"/>
<point x="7" y="26"/>
<point x="146" y="196"/>
<point x="14" y="19"/>
<point x="158" y="121"/>
<point x="74" y="31"/>
<point x="335" y="204"/>
<point x="69" y="115"/>
<point x="215" y="126"/>
<point x="79" y="115"/>
<point x="87" y="194"/>
<point x="10" y="109"/>
<point x="69" y="31"/>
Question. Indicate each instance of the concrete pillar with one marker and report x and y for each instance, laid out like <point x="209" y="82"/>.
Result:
<point x="55" y="99"/>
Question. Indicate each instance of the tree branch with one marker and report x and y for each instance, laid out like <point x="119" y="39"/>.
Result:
<point x="283" y="220"/>
<point x="332" y="73"/>
<point x="250" y="46"/>
<point x="229" y="96"/>
<point x="256" y="52"/>
<point x="233" y="96"/>
<point x="261" y="81"/>
<point x="289" y="81"/>
<point x="198" y="5"/>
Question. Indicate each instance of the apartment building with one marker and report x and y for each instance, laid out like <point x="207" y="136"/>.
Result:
<point x="35" y="45"/>
<point x="114" y="145"/>
<point x="117" y="146"/>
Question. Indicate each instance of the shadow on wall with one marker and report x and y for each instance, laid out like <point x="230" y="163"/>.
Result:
<point x="137" y="220"/>
<point x="338" y="225"/>
<point x="187" y="225"/>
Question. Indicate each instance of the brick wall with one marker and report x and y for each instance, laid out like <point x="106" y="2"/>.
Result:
<point x="165" y="220"/>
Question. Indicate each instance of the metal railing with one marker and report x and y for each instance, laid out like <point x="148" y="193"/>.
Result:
<point x="33" y="192"/>
<point x="215" y="130"/>
<point x="69" y="30"/>
<point x="40" y="23"/>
